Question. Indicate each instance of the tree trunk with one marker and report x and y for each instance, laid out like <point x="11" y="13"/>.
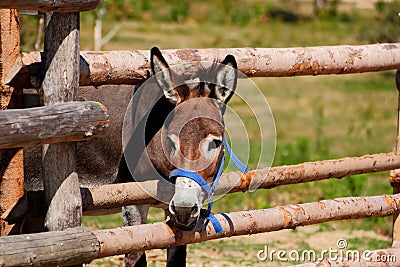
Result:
<point x="98" y="28"/>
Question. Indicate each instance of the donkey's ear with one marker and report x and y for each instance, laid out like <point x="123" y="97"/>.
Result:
<point x="226" y="79"/>
<point x="162" y="74"/>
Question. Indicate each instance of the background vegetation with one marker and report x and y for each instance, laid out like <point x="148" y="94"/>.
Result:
<point x="316" y="118"/>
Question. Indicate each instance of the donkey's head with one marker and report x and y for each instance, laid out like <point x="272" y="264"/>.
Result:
<point x="192" y="134"/>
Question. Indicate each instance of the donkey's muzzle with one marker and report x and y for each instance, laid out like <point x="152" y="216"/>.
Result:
<point x="185" y="205"/>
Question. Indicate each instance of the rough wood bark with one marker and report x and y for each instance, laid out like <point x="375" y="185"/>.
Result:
<point x="61" y="84"/>
<point x="129" y="67"/>
<point x="51" y="5"/>
<point x="11" y="160"/>
<point x="58" y="248"/>
<point x="160" y="235"/>
<point x="107" y="198"/>
<point x="63" y="122"/>
<point x="9" y="52"/>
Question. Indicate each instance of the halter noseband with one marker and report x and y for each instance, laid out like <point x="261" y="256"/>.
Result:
<point x="210" y="189"/>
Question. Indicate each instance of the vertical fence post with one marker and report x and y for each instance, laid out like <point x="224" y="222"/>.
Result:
<point x="60" y="84"/>
<point x="11" y="160"/>
<point x="395" y="174"/>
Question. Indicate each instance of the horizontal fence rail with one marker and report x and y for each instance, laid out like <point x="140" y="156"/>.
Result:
<point x="117" y="195"/>
<point x="160" y="235"/>
<point x="130" y="67"/>
<point x="51" y="5"/>
<point x="62" y="122"/>
<point x="34" y="249"/>
<point x="107" y="199"/>
<point x="56" y="248"/>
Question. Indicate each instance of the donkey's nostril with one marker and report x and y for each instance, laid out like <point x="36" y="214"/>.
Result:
<point x="195" y="211"/>
<point x="194" y="208"/>
<point x="172" y="209"/>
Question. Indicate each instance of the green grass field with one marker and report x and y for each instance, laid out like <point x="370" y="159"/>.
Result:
<point x="316" y="118"/>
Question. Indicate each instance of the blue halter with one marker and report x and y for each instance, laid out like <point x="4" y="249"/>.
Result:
<point x="210" y="189"/>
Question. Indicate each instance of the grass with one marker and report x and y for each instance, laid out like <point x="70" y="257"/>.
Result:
<point x="316" y="118"/>
<point x="137" y="35"/>
<point x="367" y="243"/>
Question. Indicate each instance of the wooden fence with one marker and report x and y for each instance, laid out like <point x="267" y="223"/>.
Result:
<point x="65" y="202"/>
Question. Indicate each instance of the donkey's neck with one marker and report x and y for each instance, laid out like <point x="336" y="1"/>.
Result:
<point x="157" y="117"/>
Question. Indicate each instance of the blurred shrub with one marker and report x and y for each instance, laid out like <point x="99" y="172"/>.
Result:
<point x="234" y="11"/>
<point x="385" y="26"/>
<point x="326" y="8"/>
<point x="281" y="14"/>
<point x="178" y="10"/>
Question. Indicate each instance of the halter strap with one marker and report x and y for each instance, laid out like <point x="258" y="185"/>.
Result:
<point x="193" y="176"/>
<point x="210" y="189"/>
<point x="239" y="164"/>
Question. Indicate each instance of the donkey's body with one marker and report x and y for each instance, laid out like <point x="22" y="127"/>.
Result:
<point x="97" y="160"/>
<point x="170" y="124"/>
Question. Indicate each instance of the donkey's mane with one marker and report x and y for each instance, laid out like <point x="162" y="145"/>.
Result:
<point x="208" y="74"/>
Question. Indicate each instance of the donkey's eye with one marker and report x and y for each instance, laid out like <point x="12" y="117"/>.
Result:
<point x="215" y="143"/>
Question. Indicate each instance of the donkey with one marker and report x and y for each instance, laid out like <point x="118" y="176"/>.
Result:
<point x="173" y="121"/>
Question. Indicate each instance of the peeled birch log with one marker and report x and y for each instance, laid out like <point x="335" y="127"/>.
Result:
<point x="78" y="245"/>
<point x="130" y="67"/>
<point x="117" y="195"/>
<point x="161" y="235"/>
<point x="107" y="198"/>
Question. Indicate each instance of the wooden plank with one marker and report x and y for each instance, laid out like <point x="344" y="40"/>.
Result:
<point x="62" y="122"/>
<point x="71" y="246"/>
<point x="51" y="5"/>
<point x="11" y="160"/>
<point x="61" y="84"/>
<point x="130" y="67"/>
